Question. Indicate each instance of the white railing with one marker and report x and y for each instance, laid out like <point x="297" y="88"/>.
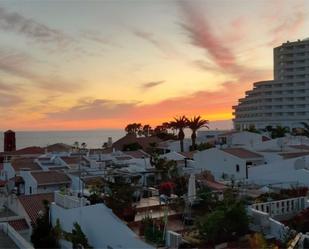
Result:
<point x="19" y="241"/>
<point x="282" y="207"/>
<point x="68" y="202"/>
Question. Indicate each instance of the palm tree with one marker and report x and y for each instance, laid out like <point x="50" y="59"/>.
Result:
<point x="180" y="123"/>
<point x="194" y="124"/>
<point x="279" y="131"/>
<point x="306" y="129"/>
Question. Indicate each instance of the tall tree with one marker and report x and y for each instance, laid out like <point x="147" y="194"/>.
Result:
<point x="43" y="235"/>
<point x="305" y="129"/>
<point x="194" y="124"/>
<point x="133" y="128"/>
<point x="146" y="130"/>
<point x="180" y="123"/>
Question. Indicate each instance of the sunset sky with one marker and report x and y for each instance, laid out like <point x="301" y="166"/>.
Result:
<point x="67" y="65"/>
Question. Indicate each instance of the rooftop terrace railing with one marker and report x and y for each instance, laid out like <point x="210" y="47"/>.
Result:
<point x="68" y="201"/>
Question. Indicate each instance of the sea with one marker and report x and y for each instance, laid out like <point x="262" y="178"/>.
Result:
<point x="93" y="138"/>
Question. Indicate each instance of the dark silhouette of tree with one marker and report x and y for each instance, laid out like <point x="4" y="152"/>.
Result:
<point x="43" y="235"/>
<point x="195" y="124"/>
<point x="77" y="237"/>
<point x="305" y="129"/>
<point x="146" y="131"/>
<point x="134" y="128"/>
<point x="279" y="131"/>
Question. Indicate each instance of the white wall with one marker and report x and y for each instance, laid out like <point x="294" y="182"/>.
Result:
<point x="30" y="182"/>
<point x="282" y="171"/>
<point x="249" y="139"/>
<point x="219" y="162"/>
<point x="8" y="171"/>
<point x="175" y="145"/>
<point x="99" y="224"/>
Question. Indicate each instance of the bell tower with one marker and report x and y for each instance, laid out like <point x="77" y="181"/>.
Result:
<point x="9" y="141"/>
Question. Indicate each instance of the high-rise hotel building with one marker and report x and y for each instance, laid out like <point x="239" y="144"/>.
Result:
<point x="283" y="101"/>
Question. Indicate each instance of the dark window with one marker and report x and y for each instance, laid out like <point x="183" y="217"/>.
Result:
<point x="237" y="168"/>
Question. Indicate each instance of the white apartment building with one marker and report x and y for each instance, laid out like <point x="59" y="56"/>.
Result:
<point x="283" y="101"/>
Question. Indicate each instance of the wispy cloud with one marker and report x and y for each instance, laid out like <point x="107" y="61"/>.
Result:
<point x="288" y="21"/>
<point x="22" y="65"/>
<point x="9" y="100"/>
<point x="15" y="22"/>
<point x="151" y="84"/>
<point x="162" y="45"/>
<point x="89" y="109"/>
<point x="202" y="35"/>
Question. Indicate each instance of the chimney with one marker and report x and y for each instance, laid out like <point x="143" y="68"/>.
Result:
<point x="109" y="142"/>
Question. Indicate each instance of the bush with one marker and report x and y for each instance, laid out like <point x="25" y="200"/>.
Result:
<point x="43" y="235"/>
<point x="227" y="222"/>
<point x="77" y="237"/>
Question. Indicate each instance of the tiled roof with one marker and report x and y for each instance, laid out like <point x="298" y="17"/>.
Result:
<point x="19" y="225"/>
<point x="300" y="147"/>
<point x="33" y="204"/>
<point x="294" y="154"/>
<point x="24" y="162"/>
<point x="59" y="147"/>
<point x="70" y="160"/>
<point x="33" y="150"/>
<point x="264" y="138"/>
<point x="242" y="153"/>
<point x="50" y="177"/>
<point x="145" y="142"/>
<point x="137" y="154"/>
<point x="215" y="185"/>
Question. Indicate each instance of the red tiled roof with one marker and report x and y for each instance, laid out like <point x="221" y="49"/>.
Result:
<point x="19" y="225"/>
<point x="137" y="154"/>
<point x="145" y="142"/>
<point x="33" y="204"/>
<point x="264" y="138"/>
<point x="300" y="147"/>
<point x="242" y="153"/>
<point x="59" y="147"/>
<point x="294" y="154"/>
<point x="215" y="185"/>
<point x="70" y="160"/>
<point x="24" y="162"/>
<point x="32" y="150"/>
<point x="50" y="177"/>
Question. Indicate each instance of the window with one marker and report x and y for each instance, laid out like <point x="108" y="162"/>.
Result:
<point x="30" y="190"/>
<point x="237" y="168"/>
